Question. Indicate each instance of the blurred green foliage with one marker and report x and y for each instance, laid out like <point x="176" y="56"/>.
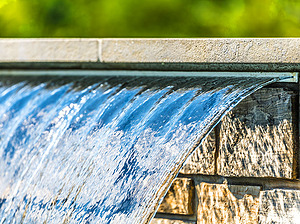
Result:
<point x="149" y="18"/>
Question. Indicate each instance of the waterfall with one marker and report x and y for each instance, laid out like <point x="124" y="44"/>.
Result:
<point x="102" y="149"/>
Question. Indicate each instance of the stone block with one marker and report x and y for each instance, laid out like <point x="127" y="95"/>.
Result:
<point x="49" y="50"/>
<point x="206" y="50"/>
<point x="279" y="206"/>
<point x="179" y="198"/>
<point x="170" y="221"/>
<point x="202" y="160"/>
<point x="222" y="203"/>
<point x="256" y="138"/>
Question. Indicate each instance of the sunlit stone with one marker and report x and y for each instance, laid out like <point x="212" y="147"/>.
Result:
<point x="222" y="203"/>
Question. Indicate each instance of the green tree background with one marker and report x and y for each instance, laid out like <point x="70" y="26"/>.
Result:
<point x="149" y="18"/>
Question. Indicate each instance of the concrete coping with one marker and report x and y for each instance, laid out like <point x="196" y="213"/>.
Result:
<point x="200" y="54"/>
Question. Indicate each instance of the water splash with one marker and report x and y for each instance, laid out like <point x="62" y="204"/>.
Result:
<point x="102" y="150"/>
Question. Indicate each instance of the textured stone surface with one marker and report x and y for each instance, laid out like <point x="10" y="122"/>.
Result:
<point x="49" y="50"/>
<point x="228" y="50"/>
<point x="169" y="221"/>
<point x="279" y="206"/>
<point x="179" y="199"/>
<point x="222" y="203"/>
<point x="208" y="50"/>
<point x="202" y="160"/>
<point x="256" y="139"/>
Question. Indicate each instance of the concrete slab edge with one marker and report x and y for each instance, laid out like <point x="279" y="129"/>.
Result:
<point x="225" y="54"/>
<point x="209" y="50"/>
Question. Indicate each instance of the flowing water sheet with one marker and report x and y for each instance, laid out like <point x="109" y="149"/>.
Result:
<point x="102" y="150"/>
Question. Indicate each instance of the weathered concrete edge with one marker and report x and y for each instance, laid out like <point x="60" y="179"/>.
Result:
<point x="185" y="54"/>
<point x="203" y="50"/>
<point x="49" y="50"/>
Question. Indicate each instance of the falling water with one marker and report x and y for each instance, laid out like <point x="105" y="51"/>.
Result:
<point x="102" y="150"/>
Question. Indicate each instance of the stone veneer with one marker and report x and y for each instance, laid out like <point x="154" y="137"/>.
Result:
<point x="246" y="171"/>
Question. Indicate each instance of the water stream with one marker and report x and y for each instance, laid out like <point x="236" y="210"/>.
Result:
<point x="102" y="150"/>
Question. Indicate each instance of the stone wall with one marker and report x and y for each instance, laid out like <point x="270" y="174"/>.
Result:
<point x="247" y="170"/>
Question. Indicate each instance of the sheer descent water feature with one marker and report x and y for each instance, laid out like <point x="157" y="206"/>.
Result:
<point x="102" y="150"/>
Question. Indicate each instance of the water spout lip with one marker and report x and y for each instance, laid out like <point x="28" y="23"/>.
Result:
<point x="282" y="76"/>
